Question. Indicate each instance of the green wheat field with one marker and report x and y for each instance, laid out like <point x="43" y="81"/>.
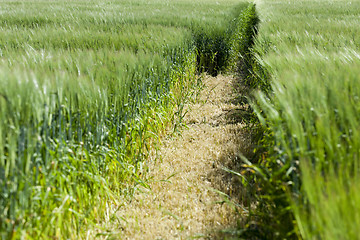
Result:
<point x="88" y="89"/>
<point x="311" y="50"/>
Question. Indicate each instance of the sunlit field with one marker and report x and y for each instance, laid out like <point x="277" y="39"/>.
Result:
<point x="87" y="88"/>
<point x="312" y="52"/>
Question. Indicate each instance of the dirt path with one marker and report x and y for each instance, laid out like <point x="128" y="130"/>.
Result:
<point x="181" y="202"/>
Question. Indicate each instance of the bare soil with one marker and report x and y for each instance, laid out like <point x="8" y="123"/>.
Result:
<point x="190" y="195"/>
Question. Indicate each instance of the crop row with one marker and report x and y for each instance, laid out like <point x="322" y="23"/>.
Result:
<point x="309" y="169"/>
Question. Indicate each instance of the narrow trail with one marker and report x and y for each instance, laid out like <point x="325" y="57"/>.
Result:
<point x="181" y="202"/>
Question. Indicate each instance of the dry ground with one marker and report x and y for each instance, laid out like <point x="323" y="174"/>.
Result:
<point x="181" y="202"/>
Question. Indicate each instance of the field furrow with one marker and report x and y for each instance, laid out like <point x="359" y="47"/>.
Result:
<point x="189" y="193"/>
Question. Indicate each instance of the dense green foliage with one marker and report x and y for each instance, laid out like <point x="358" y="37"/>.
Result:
<point x="86" y="86"/>
<point x="308" y="176"/>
